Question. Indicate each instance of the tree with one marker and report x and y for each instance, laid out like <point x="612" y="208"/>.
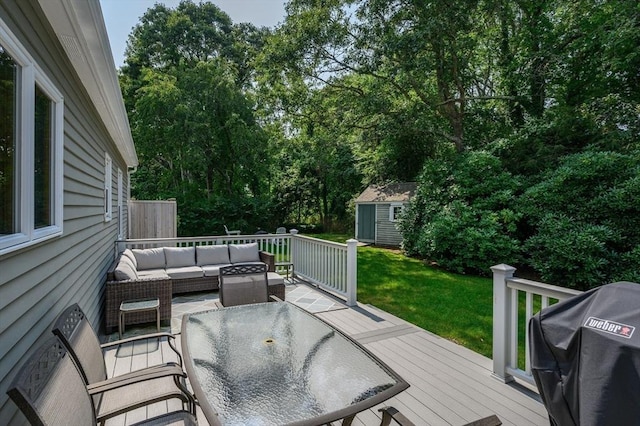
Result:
<point x="185" y="80"/>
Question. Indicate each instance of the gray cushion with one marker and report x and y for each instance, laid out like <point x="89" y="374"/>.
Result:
<point x="213" y="270"/>
<point x="153" y="273"/>
<point x="128" y="253"/>
<point x="149" y="258"/>
<point x="212" y="255"/>
<point x="126" y="261"/>
<point x="243" y="253"/>
<point x="185" y="272"/>
<point x="180" y="256"/>
<point x="124" y="271"/>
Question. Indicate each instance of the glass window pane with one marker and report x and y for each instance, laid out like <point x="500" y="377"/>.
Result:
<point x="8" y="129"/>
<point x="42" y="160"/>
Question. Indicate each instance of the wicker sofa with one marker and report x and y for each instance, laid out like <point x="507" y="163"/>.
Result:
<point x="162" y="272"/>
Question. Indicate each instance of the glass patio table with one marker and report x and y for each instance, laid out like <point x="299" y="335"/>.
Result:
<point x="274" y="364"/>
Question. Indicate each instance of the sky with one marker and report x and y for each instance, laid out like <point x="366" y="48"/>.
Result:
<point x="120" y="16"/>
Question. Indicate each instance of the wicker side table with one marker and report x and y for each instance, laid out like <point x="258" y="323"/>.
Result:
<point x="133" y="306"/>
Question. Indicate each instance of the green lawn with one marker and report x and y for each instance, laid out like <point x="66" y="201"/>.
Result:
<point x="456" y="307"/>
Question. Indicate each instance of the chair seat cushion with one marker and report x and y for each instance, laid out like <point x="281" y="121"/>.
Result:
<point x="213" y="270"/>
<point x="274" y="278"/>
<point x="185" y="272"/>
<point x="153" y="273"/>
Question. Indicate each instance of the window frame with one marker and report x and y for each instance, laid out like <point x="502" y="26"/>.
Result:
<point x="108" y="187"/>
<point x="392" y="209"/>
<point x="29" y="74"/>
<point x="120" y="200"/>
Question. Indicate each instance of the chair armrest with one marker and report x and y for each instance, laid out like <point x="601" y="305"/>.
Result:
<point x="492" y="420"/>
<point x="136" y="338"/>
<point x="391" y="413"/>
<point x="170" y="339"/>
<point x="135" y="377"/>
<point x="269" y="259"/>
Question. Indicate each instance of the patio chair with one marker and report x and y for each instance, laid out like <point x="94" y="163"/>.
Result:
<point x="244" y="283"/>
<point x="234" y="232"/>
<point x="49" y="390"/>
<point x="80" y="340"/>
<point x="391" y="413"/>
<point x="279" y="231"/>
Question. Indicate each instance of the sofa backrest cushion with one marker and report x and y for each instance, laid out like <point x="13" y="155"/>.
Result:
<point x="149" y="258"/>
<point x="212" y="255"/>
<point x="177" y="257"/>
<point x="129" y="254"/>
<point x="125" y="270"/>
<point x="242" y="253"/>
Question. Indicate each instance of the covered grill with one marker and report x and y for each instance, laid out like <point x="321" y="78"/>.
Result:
<point x="585" y="357"/>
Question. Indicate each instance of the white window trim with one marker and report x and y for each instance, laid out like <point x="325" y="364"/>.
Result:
<point x="120" y="215"/>
<point x="29" y="75"/>
<point x="108" y="187"/>
<point x="392" y="208"/>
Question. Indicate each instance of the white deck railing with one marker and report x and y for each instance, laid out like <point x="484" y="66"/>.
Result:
<point x="331" y="266"/>
<point x="507" y="302"/>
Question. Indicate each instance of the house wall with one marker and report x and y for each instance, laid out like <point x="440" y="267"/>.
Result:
<point x="38" y="282"/>
<point x="387" y="233"/>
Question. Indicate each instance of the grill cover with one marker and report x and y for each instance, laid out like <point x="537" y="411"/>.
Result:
<point x="585" y="357"/>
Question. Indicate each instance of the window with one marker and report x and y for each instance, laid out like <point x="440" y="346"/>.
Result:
<point x="31" y="146"/>
<point x="108" y="205"/>
<point x="395" y="211"/>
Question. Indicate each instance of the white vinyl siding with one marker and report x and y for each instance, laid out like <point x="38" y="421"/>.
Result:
<point x="387" y="233"/>
<point x="43" y="277"/>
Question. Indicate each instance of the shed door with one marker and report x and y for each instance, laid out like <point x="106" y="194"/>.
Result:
<point x="367" y="222"/>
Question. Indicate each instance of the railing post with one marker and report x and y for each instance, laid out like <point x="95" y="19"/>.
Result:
<point x="352" y="272"/>
<point x="501" y="310"/>
<point x="293" y="248"/>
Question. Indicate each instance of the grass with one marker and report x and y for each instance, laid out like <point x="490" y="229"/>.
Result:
<point x="456" y="307"/>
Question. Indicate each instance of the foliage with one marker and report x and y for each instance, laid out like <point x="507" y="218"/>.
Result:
<point x="584" y="219"/>
<point x="196" y="134"/>
<point x="523" y="141"/>
<point x="463" y="215"/>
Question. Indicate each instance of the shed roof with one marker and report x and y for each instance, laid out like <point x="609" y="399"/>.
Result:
<point x="391" y="193"/>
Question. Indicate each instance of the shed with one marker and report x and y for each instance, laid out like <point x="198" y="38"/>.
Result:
<point x="378" y="210"/>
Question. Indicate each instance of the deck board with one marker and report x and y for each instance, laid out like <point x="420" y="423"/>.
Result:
<point x="449" y="384"/>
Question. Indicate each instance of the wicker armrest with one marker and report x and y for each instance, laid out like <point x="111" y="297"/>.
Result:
<point x="269" y="259"/>
<point x="117" y="292"/>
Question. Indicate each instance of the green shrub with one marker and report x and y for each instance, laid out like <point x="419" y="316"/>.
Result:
<point x="583" y="220"/>
<point x="571" y="253"/>
<point x="461" y="217"/>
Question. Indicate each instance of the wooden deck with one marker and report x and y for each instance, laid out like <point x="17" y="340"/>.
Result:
<point x="450" y="385"/>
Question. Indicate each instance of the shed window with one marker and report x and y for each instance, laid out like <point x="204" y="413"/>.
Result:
<point x="395" y="211"/>
<point x="31" y="143"/>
